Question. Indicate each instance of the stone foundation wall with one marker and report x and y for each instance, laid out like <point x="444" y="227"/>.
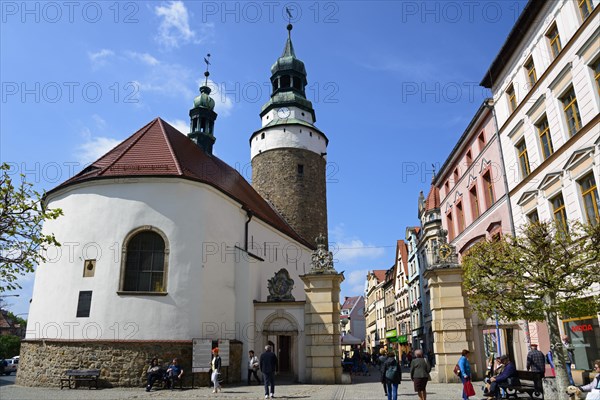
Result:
<point x="121" y="363"/>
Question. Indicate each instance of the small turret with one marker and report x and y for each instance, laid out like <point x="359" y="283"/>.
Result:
<point x="202" y="116"/>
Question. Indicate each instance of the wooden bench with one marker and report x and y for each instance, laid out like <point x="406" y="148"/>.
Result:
<point x="529" y="383"/>
<point x="73" y="376"/>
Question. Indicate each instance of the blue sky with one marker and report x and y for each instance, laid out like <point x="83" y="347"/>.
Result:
<point x="393" y="84"/>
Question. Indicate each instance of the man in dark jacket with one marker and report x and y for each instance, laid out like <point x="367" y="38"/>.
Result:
<point x="268" y="367"/>
<point x="508" y="376"/>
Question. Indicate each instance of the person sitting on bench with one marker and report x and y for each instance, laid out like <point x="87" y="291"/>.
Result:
<point x="155" y="373"/>
<point x="508" y="376"/>
<point x="174" y="373"/>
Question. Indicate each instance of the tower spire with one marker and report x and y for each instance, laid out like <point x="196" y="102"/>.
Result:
<point x="206" y="73"/>
<point x="202" y="116"/>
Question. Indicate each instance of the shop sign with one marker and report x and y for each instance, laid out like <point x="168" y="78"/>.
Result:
<point x="582" y="328"/>
<point x="391" y="333"/>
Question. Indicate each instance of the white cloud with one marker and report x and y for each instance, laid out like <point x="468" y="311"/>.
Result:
<point x="349" y="250"/>
<point x="94" y="147"/>
<point x="181" y="125"/>
<point x="355" y="282"/>
<point x="99" y="58"/>
<point x="174" y="29"/>
<point x="143" y="57"/>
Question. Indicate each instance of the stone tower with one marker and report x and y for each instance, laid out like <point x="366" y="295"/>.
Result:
<point x="289" y="153"/>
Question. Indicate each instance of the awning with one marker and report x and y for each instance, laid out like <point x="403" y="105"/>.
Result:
<point x="348" y="339"/>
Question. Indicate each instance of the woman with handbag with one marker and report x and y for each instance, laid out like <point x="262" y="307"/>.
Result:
<point x="465" y="375"/>
<point x="215" y="366"/>
<point x="419" y="374"/>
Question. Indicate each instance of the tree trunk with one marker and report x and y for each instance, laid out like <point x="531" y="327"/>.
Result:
<point x="558" y="350"/>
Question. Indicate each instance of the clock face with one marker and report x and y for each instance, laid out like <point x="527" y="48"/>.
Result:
<point x="283" y="112"/>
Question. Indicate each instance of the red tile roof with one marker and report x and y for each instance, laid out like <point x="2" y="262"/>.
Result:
<point x="350" y="302"/>
<point x="380" y="274"/>
<point x="159" y="150"/>
<point x="433" y="199"/>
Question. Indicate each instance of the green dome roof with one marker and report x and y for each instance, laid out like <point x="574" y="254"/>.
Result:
<point x="204" y="100"/>
<point x="288" y="60"/>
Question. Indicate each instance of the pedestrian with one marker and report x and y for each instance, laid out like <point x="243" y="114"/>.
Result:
<point x="465" y="373"/>
<point x="404" y="359"/>
<point x="536" y="362"/>
<point x="419" y="374"/>
<point x="268" y="367"/>
<point x="570" y="359"/>
<point x="252" y="367"/>
<point x="215" y="366"/>
<point x="550" y="359"/>
<point x="393" y="375"/>
<point x="382" y="359"/>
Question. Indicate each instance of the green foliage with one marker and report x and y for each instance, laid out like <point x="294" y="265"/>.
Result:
<point x="10" y="346"/>
<point x="22" y="244"/>
<point x="546" y="269"/>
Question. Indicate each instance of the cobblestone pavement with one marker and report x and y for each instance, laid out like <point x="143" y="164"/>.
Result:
<point x="362" y="388"/>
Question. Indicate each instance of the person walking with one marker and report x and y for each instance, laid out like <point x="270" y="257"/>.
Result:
<point x="215" y="366"/>
<point x="268" y="367"/>
<point x="465" y="372"/>
<point x="252" y="367"/>
<point x="382" y="359"/>
<point x="536" y="362"/>
<point x="393" y="375"/>
<point x="570" y="360"/>
<point x="419" y="374"/>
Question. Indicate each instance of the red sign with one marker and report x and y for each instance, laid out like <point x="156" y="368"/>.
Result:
<point x="582" y="328"/>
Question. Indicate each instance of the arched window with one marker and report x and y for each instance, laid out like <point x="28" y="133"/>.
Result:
<point x="145" y="263"/>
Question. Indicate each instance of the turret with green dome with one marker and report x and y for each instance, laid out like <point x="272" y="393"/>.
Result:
<point x="202" y="116"/>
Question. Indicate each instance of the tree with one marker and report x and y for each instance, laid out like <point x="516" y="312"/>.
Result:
<point x="546" y="271"/>
<point x="22" y="244"/>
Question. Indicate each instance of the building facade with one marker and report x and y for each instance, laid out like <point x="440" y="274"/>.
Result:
<point x="545" y="84"/>
<point x="401" y="294"/>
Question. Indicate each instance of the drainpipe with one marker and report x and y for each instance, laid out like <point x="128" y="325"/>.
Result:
<point x="489" y="103"/>
<point x="249" y="215"/>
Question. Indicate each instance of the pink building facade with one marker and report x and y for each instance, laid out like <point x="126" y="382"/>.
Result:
<point x="475" y="206"/>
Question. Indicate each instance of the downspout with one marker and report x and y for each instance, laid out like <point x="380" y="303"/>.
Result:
<point x="249" y="215"/>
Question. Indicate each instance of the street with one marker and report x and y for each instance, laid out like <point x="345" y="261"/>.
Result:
<point x="363" y="387"/>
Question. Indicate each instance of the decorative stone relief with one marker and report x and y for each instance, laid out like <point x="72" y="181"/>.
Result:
<point x="280" y="287"/>
<point x="322" y="259"/>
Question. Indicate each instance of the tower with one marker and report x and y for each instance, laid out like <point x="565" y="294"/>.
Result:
<point x="289" y="152"/>
<point x="202" y="116"/>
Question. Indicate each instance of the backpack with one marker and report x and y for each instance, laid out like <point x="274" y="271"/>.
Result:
<point x="456" y="370"/>
<point x="392" y="372"/>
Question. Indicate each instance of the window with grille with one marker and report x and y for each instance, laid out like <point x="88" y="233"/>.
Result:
<point x="145" y="263"/>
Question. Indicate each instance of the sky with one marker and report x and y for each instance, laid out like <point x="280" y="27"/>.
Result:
<point x="393" y="83"/>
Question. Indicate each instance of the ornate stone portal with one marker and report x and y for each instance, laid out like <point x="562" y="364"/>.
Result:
<point x="322" y="318"/>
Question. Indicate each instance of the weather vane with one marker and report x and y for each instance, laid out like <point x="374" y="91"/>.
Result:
<point x="206" y="74"/>
<point x="287" y="10"/>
